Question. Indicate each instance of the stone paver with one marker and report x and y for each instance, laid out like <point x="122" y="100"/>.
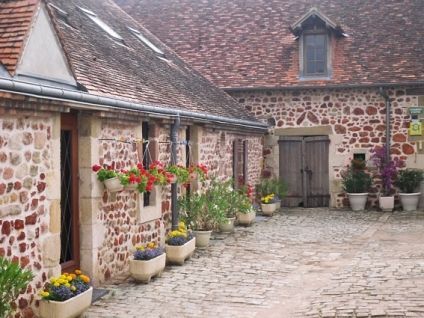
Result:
<point x="299" y="263"/>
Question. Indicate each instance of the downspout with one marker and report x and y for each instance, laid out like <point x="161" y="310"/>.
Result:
<point x="174" y="142"/>
<point x="384" y="94"/>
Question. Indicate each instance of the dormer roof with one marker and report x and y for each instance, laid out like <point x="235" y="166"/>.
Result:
<point x="315" y="14"/>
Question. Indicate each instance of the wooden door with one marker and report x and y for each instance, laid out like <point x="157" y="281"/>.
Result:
<point x="290" y="170"/>
<point x="69" y="235"/>
<point x="304" y="166"/>
<point x="316" y="171"/>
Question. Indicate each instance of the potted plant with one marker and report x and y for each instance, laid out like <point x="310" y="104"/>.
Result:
<point x="275" y="186"/>
<point x="198" y="172"/>
<point x="387" y="171"/>
<point x="66" y="296"/>
<point x="269" y="204"/>
<point x="148" y="261"/>
<point x="180" y="173"/>
<point x="408" y="181"/>
<point x="13" y="281"/>
<point x="180" y="245"/>
<point x="229" y="200"/>
<point x="246" y="213"/>
<point x="356" y="182"/>
<point x="130" y="178"/>
<point x="109" y="177"/>
<point x="202" y="212"/>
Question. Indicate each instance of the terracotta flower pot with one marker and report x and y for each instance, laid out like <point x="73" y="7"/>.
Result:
<point x="143" y="271"/>
<point x="177" y="254"/>
<point x="113" y="184"/>
<point x="70" y="308"/>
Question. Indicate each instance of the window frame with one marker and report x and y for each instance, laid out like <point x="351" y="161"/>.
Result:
<point x="303" y="60"/>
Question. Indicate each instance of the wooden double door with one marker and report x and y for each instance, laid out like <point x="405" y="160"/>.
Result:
<point x="304" y="167"/>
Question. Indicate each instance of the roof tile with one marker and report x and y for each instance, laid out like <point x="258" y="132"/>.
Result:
<point x="248" y="43"/>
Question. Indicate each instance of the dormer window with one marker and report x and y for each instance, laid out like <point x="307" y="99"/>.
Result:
<point x="315" y="54"/>
<point x="315" y="32"/>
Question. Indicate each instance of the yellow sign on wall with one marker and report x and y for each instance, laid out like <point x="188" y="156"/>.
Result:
<point x="415" y="128"/>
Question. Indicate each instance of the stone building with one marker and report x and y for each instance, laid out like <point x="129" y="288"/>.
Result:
<point x="316" y="70"/>
<point x="83" y="83"/>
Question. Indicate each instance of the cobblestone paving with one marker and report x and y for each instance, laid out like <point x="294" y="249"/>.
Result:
<point x="299" y="263"/>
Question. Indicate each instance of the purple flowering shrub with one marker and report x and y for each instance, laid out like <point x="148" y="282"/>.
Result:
<point x="387" y="169"/>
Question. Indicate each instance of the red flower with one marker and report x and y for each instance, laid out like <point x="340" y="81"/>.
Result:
<point x="96" y="168"/>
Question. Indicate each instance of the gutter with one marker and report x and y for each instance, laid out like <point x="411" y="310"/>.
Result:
<point x="95" y="102"/>
<point x="331" y="86"/>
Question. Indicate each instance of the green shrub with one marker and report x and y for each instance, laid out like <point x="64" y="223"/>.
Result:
<point x="205" y="210"/>
<point x="408" y="180"/>
<point x="13" y="280"/>
<point x="271" y="186"/>
<point x="356" y="181"/>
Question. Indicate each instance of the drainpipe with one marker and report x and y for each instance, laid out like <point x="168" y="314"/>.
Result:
<point x="384" y="94"/>
<point x="174" y="140"/>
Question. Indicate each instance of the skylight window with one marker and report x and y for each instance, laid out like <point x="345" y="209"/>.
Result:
<point x="101" y="24"/>
<point x="149" y="44"/>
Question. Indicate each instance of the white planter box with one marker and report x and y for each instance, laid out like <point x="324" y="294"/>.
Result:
<point x="228" y="226"/>
<point x="268" y="209"/>
<point x="358" y="201"/>
<point x="386" y="203"/>
<point x="143" y="271"/>
<point x="178" y="254"/>
<point x="113" y="184"/>
<point x="70" y="308"/>
<point x="410" y="201"/>
<point x="246" y="218"/>
<point x="202" y="238"/>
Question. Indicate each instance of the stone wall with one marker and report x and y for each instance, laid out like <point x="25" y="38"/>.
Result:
<point x="353" y="118"/>
<point x="110" y="224"/>
<point x="216" y="151"/>
<point x="29" y="201"/>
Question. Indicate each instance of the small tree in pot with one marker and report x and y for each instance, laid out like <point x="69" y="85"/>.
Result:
<point x="408" y="181"/>
<point x="203" y="212"/>
<point x="387" y="170"/>
<point x="356" y="183"/>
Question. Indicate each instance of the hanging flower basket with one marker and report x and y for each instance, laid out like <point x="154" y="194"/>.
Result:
<point x="172" y="178"/>
<point x="192" y="176"/>
<point x="131" y="187"/>
<point x="70" y="308"/>
<point x="113" y="184"/>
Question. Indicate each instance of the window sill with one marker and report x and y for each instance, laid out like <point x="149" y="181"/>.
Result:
<point x="154" y="210"/>
<point x="314" y="78"/>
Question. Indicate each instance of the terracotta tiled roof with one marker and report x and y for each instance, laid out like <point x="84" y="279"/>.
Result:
<point x="129" y="69"/>
<point x="15" y="20"/>
<point x="247" y="43"/>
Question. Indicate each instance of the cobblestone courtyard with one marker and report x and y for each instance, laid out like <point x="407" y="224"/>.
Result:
<point x="299" y="263"/>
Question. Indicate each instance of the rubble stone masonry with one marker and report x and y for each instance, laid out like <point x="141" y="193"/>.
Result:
<point x="353" y="118"/>
<point x="110" y="223"/>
